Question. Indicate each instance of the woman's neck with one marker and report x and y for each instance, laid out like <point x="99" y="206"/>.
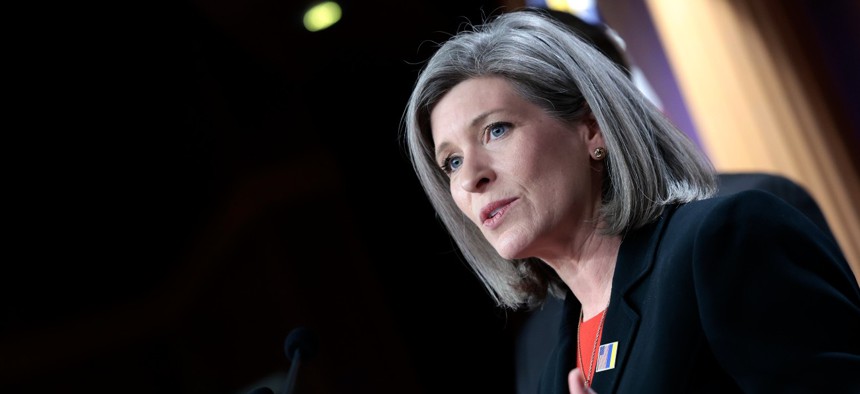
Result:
<point x="589" y="272"/>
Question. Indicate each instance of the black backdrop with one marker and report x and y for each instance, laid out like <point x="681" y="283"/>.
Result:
<point x="188" y="182"/>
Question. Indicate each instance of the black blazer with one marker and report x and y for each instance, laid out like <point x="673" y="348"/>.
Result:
<point x="732" y="294"/>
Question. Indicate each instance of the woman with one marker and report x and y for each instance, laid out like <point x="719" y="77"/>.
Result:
<point x="556" y="177"/>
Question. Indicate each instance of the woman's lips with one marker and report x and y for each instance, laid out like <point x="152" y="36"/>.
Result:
<point x="492" y="213"/>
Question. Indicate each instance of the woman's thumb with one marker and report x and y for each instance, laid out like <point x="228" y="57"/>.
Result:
<point x="576" y="382"/>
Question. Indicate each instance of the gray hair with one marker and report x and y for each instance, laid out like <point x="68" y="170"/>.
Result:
<point x="650" y="163"/>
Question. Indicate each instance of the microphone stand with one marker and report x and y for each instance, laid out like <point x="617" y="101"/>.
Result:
<point x="300" y="340"/>
<point x="289" y="387"/>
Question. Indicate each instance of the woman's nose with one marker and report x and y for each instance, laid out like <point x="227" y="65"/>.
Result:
<point x="476" y="174"/>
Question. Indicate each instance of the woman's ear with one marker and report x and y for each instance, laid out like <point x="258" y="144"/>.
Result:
<point x="591" y="121"/>
<point x="593" y="134"/>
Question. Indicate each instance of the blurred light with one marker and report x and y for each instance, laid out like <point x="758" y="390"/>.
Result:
<point x="584" y="9"/>
<point x="558" y="5"/>
<point x="580" y="6"/>
<point x="321" y="16"/>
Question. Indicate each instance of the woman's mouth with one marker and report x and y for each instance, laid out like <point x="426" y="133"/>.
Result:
<point x="492" y="213"/>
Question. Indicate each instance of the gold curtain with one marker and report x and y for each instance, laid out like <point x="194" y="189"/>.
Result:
<point x="756" y="98"/>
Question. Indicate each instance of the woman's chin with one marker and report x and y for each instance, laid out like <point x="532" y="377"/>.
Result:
<point x="510" y="250"/>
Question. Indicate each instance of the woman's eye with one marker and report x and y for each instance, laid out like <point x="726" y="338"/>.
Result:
<point x="497" y="130"/>
<point x="451" y="164"/>
<point x="455" y="162"/>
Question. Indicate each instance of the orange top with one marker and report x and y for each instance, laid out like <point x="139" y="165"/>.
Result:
<point x="589" y="341"/>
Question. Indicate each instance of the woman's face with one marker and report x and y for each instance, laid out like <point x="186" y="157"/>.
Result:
<point x="524" y="178"/>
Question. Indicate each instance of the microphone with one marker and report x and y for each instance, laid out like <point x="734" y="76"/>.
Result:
<point x="300" y="344"/>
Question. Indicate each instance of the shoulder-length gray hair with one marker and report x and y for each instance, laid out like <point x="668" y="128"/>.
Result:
<point x="650" y="163"/>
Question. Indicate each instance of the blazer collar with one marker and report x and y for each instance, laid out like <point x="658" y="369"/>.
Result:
<point x="634" y="263"/>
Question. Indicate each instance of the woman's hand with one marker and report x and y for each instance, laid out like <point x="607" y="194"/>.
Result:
<point x="576" y="383"/>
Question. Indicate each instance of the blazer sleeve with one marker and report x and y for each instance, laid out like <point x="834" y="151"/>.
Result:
<point x="779" y="303"/>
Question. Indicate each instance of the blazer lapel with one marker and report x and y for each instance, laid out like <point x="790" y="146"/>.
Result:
<point x="635" y="259"/>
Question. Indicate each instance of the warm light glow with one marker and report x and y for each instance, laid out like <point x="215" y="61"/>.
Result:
<point x="322" y="15"/>
<point x="558" y="5"/>
<point x="580" y="6"/>
<point x="584" y="9"/>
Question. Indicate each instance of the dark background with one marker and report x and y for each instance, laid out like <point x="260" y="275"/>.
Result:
<point x="188" y="182"/>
